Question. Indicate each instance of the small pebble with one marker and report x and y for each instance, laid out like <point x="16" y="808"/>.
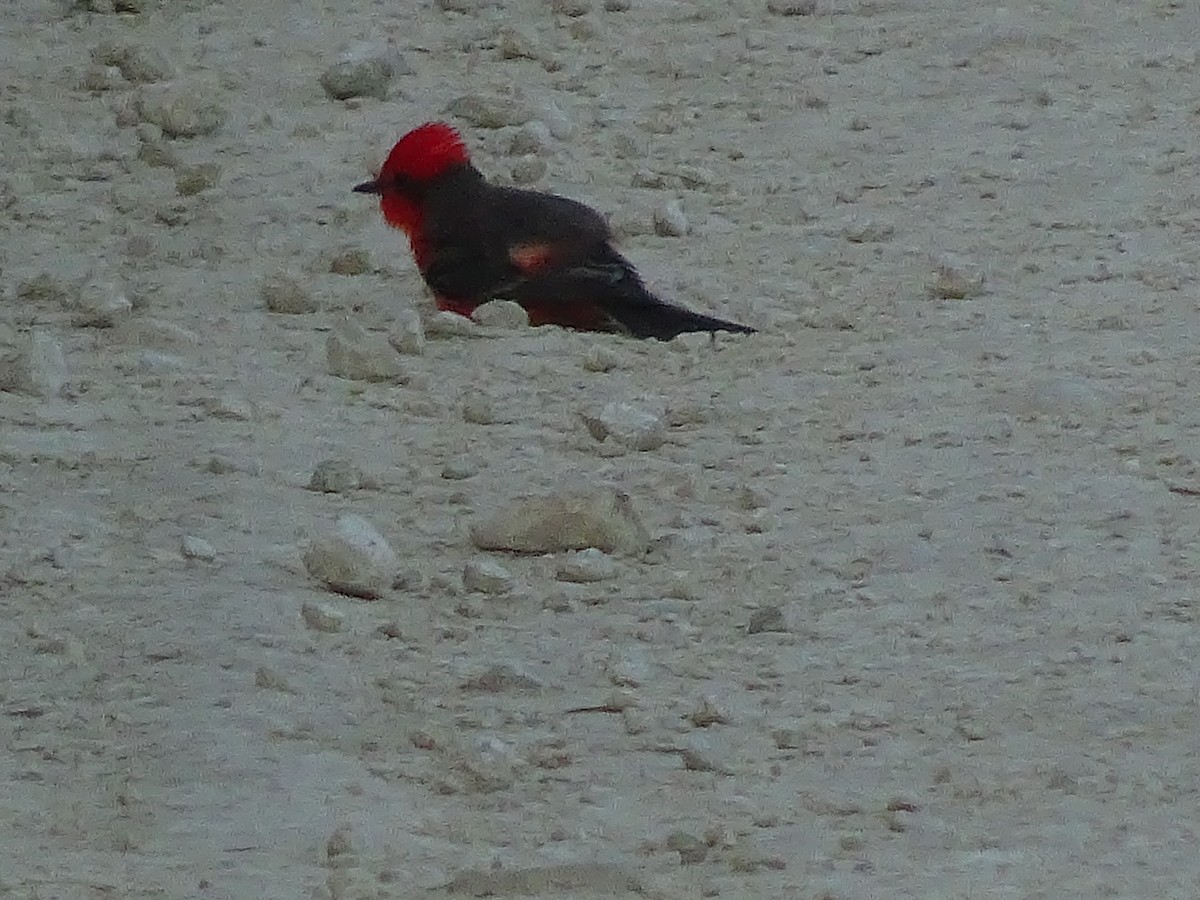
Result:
<point x="669" y="220"/>
<point x="501" y="677"/>
<point x="530" y="139"/>
<point x="335" y="476"/>
<point x="270" y="680"/>
<point x="792" y="7"/>
<point x="136" y="63"/>
<point x="322" y="617"/>
<point x="37" y="368"/>
<point x="586" y="566"/>
<point x="584" y="28"/>
<point x="528" y="169"/>
<point x="869" y="232"/>
<point x="230" y="407"/>
<point x="489" y="112"/>
<point x="690" y="848"/>
<point x="691" y="341"/>
<point x="953" y="283"/>
<point x="558" y="122"/>
<point x="695" y="177"/>
<point x="43" y="288"/>
<point x="486" y="576"/>
<point x="192" y="180"/>
<point x="351" y="261"/>
<point x="571" y="7"/>
<point x="695" y="760"/>
<point x="181" y="110"/>
<point x="630" y="146"/>
<point x="358" y="78"/>
<point x="516" y="44"/>
<point x="156" y="152"/>
<point x="766" y="618"/>
<point x="604" y="519"/>
<point x="192" y="547"/>
<point x="407" y="333"/>
<point x="283" y="294"/>
<point x="460" y="469"/>
<point x="707" y="714"/>
<point x="501" y="314"/>
<point x="600" y="359"/>
<point x="648" y="178"/>
<point x="446" y="324"/>
<point x="630" y="426"/>
<point x="100" y="303"/>
<point x="787" y="738"/>
<point x="102" y="78"/>
<point x="354" y="353"/>
<point x="353" y="559"/>
<point x="339" y="846"/>
<point x="478" y="410"/>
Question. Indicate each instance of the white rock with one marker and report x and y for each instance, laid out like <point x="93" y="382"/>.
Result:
<point x="571" y="7"/>
<point x="353" y="559"/>
<point x="601" y="359"/>
<point x="690" y="341"/>
<point x="38" y="368"/>
<point x="354" y="353"/>
<point x="102" y="78"/>
<point x="634" y="427"/>
<point x="335" y="476"/>
<point x="322" y="617"/>
<point x="955" y="281"/>
<point x="602" y="518"/>
<point x="192" y="547"/>
<point x="229" y="406"/>
<point x="445" y="324"/>
<point x="181" y="109"/>
<point x="669" y="220"/>
<point x="585" y="566"/>
<point x="501" y="314"/>
<point x="136" y="62"/>
<point x="515" y="43"/>
<point x="530" y="139"/>
<point x="792" y="7"/>
<point x="487" y="577"/>
<point x="283" y="294"/>
<point x="407" y="334"/>
<point x="584" y="28"/>
<point x="528" y="169"/>
<point x="478" y="410"/>
<point x="558" y="122"/>
<point x="99" y="303"/>
<point x="357" y="78"/>
<point x="154" y="362"/>
<point x="490" y="111"/>
<point x="151" y="332"/>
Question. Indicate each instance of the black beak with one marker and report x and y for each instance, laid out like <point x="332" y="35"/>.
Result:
<point x="367" y="187"/>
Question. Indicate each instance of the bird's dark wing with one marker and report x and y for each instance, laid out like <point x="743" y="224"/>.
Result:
<point x="605" y="294"/>
<point x="466" y="272"/>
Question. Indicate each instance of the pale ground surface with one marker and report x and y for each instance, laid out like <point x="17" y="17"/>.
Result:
<point x="979" y="516"/>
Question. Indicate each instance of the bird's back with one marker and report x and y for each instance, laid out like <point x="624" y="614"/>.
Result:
<point x="463" y="204"/>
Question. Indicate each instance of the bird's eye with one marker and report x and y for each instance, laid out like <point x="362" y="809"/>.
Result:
<point x="406" y="185"/>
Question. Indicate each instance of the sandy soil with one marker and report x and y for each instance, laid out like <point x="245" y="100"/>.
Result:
<point x="976" y="516"/>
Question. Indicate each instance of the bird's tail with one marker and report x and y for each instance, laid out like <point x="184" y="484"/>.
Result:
<point x="614" y="298"/>
<point x="664" y="321"/>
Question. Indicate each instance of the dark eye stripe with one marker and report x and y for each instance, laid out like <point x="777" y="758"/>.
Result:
<point x="407" y="185"/>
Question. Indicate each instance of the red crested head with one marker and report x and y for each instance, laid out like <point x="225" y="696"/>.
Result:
<point x="423" y="155"/>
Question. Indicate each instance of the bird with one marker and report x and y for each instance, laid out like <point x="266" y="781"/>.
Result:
<point x="474" y="242"/>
